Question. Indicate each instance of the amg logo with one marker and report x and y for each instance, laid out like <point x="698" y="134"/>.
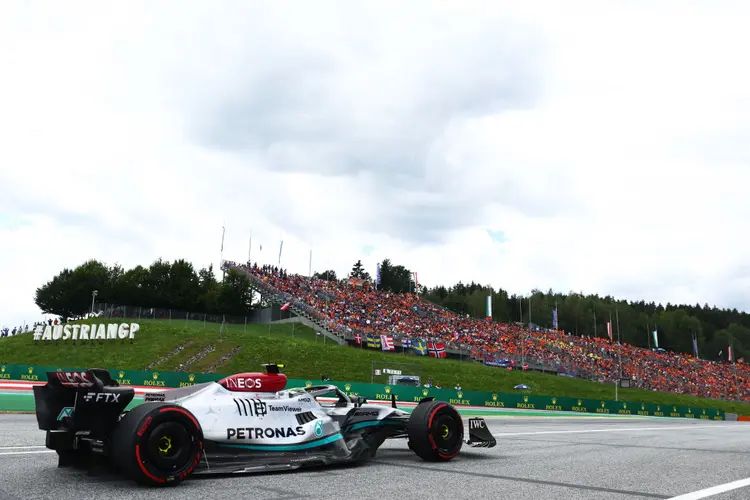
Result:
<point x="96" y="397"/>
<point x="251" y="407"/>
<point x="285" y="408"/>
<point x="304" y="400"/>
<point x="267" y="432"/>
<point x="363" y="413"/>
<point x="476" y="423"/>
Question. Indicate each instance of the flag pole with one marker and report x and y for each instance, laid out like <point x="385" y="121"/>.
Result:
<point x="221" y="258"/>
<point x="617" y="318"/>
<point x="309" y="266"/>
<point x="223" y="233"/>
<point x="529" y="310"/>
<point x="619" y="346"/>
<point x="250" y="249"/>
<point x="557" y="317"/>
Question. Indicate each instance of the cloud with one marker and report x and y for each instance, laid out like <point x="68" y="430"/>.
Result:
<point x="607" y="144"/>
<point x="373" y="99"/>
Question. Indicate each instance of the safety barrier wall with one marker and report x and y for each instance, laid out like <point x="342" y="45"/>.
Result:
<point x="403" y="394"/>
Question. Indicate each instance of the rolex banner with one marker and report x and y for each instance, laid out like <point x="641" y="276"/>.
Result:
<point x="384" y="393"/>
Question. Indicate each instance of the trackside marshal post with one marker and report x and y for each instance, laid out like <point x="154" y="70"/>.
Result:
<point x="111" y="331"/>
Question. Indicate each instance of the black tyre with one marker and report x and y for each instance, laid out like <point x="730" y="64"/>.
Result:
<point x="157" y="444"/>
<point x="436" y="431"/>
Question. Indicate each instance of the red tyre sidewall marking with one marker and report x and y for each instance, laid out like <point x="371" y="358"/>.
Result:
<point x="200" y="442"/>
<point x="429" y="425"/>
<point x="193" y="465"/>
<point x="143" y="467"/>
<point x="142" y="431"/>
<point x="184" y="412"/>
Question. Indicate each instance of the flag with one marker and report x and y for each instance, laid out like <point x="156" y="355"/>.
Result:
<point x="455" y="336"/>
<point x="695" y="346"/>
<point x="488" y="313"/>
<point x="419" y="348"/>
<point x="286" y="306"/>
<point x="729" y="354"/>
<point x="358" y="338"/>
<point x="373" y="341"/>
<point x="609" y="329"/>
<point x="387" y="343"/>
<point x="406" y="343"/>
<point x="656" y="338"/>
<point x="554" y="318"/>
<point x="281" y="246"/>
<point x="377" y="274"/>
<point x="437" y="349"/>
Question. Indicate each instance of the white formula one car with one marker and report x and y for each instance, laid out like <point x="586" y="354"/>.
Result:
<point x="247" y="422"/>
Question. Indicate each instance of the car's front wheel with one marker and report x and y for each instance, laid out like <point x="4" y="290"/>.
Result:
<point x="158" y="444"/>
<point x="435" y="431"/>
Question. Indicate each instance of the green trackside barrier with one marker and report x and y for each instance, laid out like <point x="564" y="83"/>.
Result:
<point x="378" y="392"/>
<point x="527" y="401"/>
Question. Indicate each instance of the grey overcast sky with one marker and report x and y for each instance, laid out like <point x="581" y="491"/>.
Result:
<point x="590" y="146"/>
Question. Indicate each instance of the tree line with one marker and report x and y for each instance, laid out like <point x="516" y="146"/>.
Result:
<point x="581" y="314"/>
<point x="178" y="285"/>
<point x="168" y="285"/>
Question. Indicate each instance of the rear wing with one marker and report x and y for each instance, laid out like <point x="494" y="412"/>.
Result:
<point x="93" y="377"/>
<point x="88" y="400"/>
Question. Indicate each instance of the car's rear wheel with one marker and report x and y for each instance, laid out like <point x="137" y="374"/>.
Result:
<point x="436" y="431"/>
<point x="158" y="444"/>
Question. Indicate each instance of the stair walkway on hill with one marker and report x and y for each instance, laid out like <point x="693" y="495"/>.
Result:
<point x="307" y="316"/>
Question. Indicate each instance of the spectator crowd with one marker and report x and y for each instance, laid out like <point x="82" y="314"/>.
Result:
<point x="17" y="330"/>
<point x="348" y="309"/>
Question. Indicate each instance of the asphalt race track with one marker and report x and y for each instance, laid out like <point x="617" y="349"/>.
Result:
<point x="536" y="458"/>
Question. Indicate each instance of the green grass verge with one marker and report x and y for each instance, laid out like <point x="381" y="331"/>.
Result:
<point x="307" y="356"/>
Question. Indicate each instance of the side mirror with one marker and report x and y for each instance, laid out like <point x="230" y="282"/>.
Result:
<point x="358" y="400"/>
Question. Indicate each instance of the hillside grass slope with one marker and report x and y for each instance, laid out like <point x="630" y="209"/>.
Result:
<point x="306" y="356"/>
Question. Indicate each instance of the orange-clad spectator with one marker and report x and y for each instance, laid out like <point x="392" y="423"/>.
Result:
<point x="360" y="309"/>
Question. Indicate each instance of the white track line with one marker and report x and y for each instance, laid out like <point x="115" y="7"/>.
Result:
<point x="629" y="429"/>
<point x="714" y="490"/>
<point x="11" y="453"/>
<point x="19" y="447"/>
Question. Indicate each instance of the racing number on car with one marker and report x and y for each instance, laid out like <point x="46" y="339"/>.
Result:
<point x="251" y="407"/>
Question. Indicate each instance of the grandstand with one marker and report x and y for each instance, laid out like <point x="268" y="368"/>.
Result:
<point x="350" y="312"/>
